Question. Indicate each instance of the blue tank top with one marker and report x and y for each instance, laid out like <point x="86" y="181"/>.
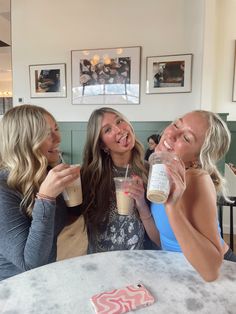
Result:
<point x="167" y="237"/>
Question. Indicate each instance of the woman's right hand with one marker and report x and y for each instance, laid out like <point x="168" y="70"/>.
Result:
<point x="176" y="171"/>
<point x="58" y="178"/>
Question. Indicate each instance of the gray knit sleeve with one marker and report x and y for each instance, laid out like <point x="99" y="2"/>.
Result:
<point x="24" y="242"/>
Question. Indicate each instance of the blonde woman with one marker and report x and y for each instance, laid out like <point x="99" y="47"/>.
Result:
<point x="32" y="210"/>
<point x="111" y="145"/>
<point x="188" y="222"/>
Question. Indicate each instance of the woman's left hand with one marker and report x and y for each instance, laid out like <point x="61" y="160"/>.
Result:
<point x="137" y="192"/>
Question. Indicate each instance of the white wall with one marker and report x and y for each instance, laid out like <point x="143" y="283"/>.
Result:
<point x="5" y="34"/>
<point x="226" y="30"/>
<point x="46" y="32"/>
<point x="218" y="57"/>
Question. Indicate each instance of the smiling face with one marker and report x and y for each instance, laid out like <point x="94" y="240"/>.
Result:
<point x="50" y="146"/>
<point x="116" y="135"/>
<point x="185" y="137"/>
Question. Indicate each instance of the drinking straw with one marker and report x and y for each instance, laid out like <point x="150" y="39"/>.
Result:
<point x="62" y="159"/>
<point x="126" y="172"/>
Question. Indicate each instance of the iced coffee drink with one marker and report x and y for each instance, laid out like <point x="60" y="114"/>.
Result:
<point x="124" y="203"/>
<point x="73" y="192"/>
<point x="158" y="188"/>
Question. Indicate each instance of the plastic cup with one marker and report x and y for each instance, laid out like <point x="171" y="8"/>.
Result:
<point x="159" y="183"/>
<point x="125" y="204"/>
<point x="73" y="193"/>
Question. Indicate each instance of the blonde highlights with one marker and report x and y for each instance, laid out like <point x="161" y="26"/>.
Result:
<point x="96" y="172"/>
<point x="215" y="146"/>
<point x="22" y="131"/>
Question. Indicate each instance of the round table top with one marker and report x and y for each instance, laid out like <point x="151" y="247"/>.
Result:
<point x="67" y="286"/>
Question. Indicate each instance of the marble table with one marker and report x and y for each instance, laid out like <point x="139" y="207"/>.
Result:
<point x="65" y="287"/>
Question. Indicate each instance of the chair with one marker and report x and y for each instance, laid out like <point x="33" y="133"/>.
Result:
<point x="220" y="203"/>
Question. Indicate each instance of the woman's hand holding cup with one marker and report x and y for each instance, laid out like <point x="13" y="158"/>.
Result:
<point x="176" y="171"/>
<point x="58" y="179"/>
<point x="137" y="192"/>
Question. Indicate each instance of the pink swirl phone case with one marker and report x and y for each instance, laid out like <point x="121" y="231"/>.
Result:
<point x="122" y="300"/>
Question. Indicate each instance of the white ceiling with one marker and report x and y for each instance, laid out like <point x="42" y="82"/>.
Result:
<point x="5" y="52"/>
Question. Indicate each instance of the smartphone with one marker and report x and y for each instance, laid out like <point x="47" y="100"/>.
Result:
<point x="122" y="300"/>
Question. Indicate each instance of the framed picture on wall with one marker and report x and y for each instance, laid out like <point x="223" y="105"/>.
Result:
<point x="234" y="81"/>
<point x="106" y="76"/>
<point x="169" y="74"/>
<point x="47" y="80"/>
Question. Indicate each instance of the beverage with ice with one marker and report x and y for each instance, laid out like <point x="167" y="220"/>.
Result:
<point x="73" y="192"/>
<point x="125" y="203"/>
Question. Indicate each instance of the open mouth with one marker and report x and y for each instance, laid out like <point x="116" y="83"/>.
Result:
<point x="167" y="146"/>
<point x="54" y="150"/>
<point x="123" y="139"/>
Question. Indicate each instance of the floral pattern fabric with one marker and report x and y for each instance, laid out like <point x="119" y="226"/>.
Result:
<point x="120" y="232"/>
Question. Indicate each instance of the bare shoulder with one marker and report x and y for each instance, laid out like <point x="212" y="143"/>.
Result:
<point x="195" y="177"/>
<point x="199" y="188"/>
<point x="199" y="203"/>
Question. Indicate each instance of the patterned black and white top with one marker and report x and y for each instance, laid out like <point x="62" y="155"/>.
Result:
<point x="120" y="232"/>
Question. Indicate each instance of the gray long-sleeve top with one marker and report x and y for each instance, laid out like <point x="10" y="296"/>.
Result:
<point x="26" y="243"/>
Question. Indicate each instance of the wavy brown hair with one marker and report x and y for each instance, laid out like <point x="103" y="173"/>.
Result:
<point x="96" y="172"/>
<point x="22" y="131"/>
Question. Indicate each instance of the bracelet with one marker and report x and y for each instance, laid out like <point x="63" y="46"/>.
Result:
<point x="146" y="218"/>
<point x="45" y="197"/>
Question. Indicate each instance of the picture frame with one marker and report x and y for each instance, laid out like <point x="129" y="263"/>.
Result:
<point x="169" y="74"/>
<point x="234" y="79"/>
<point x="47" y="80"/>
<point x="106" y="76"/>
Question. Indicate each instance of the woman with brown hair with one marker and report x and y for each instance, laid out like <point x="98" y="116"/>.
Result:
<point x="111" y="146"/>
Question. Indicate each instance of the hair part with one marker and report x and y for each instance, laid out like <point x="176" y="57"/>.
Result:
<point x="22" y="131"/>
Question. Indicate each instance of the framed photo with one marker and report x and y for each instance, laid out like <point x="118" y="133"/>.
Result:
<point x="169" y="74"/>
<point x="106" y="76"/>
<point x="48" y="80"/>
<point x="234" y="81"/>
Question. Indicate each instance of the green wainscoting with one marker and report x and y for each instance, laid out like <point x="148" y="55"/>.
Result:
<point x="73" y="139"/>
<point x="231" y="155"/>
<point x="74" y="136"/>
<point x="221" y="163"/>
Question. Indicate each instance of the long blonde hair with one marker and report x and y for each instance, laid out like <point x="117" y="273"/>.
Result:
<point x="22" y="131"/>
<point x="96" y="172"/>
<point x="215" y="146"/>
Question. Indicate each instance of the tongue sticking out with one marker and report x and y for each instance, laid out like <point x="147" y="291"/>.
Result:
<point x="123" y="140"/>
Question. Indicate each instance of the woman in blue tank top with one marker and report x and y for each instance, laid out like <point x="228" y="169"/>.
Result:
<point x="188" y="222"/>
